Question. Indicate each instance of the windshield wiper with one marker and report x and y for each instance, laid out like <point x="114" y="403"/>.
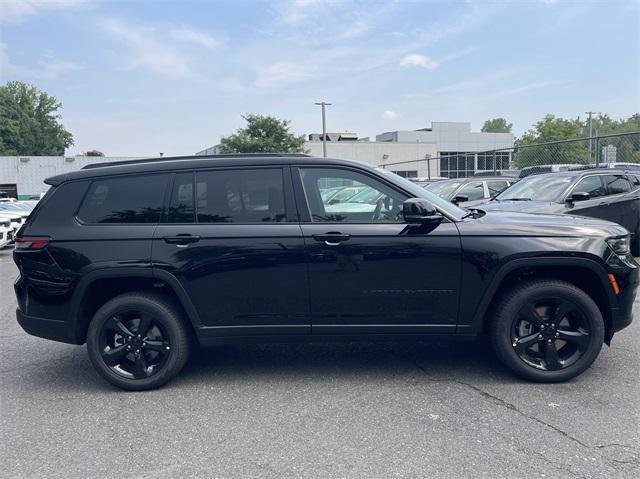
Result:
<point x="517" y="199"/>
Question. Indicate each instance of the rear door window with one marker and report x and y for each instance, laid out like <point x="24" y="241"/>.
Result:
<point x="126" y="199"/>
<point x="617" y="184"/>
<point x="181" y="206"/>
<point x="240" y="196"/>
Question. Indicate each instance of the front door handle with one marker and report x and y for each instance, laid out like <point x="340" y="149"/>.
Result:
<point x="603" y="204"/>
<point x="181" y="240"/>
<point x="332" y="238"/>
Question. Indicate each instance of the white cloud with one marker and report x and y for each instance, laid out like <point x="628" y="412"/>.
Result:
<point x="15" y="11"/>
<point x="550" y="2"/>
<point x="297" y="11"/>
<point x="417" y="60"/>
<point x="149" y="48"/>
<point x="389" y="115"/>
<point x="188" y="35"/>
<point x="47" y="68"/>
<point x="281" y="74"/>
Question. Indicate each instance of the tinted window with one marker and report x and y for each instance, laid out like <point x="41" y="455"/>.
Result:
<point x="617" y="184"/>
<point x="240" y="196"/>
<point x="474" y="190"/>
<point x="635" y="180"/>
<point x="133" y="199"/>
<point x="374" y="202"/>
<point x="181" y="209"/>
<point x="591" y="185"/>
<point x="496" y="187"/>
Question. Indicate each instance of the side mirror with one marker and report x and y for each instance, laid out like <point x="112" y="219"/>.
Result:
<point x="459" y="199"/>
<point x="578" y="196"/>
<point x="419" y="211"/>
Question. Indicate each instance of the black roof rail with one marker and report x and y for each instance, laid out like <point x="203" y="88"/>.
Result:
<point x="192" y="157"/>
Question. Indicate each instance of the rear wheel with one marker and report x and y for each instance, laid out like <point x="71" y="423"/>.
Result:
<point x="138" y="341"/>
<point x="547" y="330"/>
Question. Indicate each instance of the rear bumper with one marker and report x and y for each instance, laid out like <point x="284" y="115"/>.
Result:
<point x="46" y="328"/>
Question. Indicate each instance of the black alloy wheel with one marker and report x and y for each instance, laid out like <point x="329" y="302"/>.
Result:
<point x="550" y="334"/>
<point x="134" y="345"/>
<point x="138" y="341"/>
<point x="546" y="330"/>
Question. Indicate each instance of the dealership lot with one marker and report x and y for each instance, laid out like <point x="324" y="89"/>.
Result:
<point x="441" y="408"/>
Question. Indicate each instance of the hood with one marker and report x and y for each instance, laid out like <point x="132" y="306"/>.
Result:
<point x="529" y="206"/>
<point x="515" y="223"/>
<point x="11" y="214"/>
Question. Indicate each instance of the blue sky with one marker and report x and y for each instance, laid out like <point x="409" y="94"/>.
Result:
<point x="142" y="77"/>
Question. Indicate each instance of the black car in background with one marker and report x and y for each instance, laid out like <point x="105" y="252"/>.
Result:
<point x="461" y="190"/>
<point x="143" y="259"/>
<point x="612" y="195"/>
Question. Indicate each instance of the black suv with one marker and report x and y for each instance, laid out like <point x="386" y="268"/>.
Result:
<point x="144" y="260"/>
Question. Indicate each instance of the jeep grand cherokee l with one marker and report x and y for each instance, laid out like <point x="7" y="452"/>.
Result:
<point x="143" y="259"/>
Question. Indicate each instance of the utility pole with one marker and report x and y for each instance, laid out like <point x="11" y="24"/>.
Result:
<point x="590" y="130"/>
<point x="324" y="128"/>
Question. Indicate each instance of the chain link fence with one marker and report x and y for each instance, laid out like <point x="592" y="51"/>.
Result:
<point x="615" y="150"/>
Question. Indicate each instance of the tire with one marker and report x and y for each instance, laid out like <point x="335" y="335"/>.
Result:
<point x="525" y="339"/>
<point x="133" y="361"/>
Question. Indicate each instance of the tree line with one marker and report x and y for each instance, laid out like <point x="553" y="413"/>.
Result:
<point x="30" y="125"/>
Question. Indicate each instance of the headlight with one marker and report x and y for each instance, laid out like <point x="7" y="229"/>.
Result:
<point x="619" y="245"/>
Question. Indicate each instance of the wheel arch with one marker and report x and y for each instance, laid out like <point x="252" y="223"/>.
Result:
<point x="99" y="286"/>
<point x="584" y="273"/>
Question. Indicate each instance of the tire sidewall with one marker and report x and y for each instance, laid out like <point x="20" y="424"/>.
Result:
<point x="537" y="291"/>
<point x="163" y="314"/>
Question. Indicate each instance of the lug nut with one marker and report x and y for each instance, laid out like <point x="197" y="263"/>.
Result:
<point x="539" y="336"/>
<point x="549" y="341"/>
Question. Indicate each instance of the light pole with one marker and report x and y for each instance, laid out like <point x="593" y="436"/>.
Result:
<point x="324" y="128"/>
<point x="590" y="131"/>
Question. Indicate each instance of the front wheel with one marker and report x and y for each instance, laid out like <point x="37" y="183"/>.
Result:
<point x="547" y="330"/>
<point x="138" y="341"/>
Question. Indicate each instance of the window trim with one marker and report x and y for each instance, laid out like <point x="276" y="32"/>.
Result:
<point x="287" y="190"/>
<point x="91" y="181"/>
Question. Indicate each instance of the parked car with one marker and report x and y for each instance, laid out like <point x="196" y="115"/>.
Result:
<point x="612" y="195"/>
<point x="6" y="232"/>
<point x="462" y="190"/>
<point x="340" y="194"/>
<point x="539" y="169"/>
<point x="143" y="259"/>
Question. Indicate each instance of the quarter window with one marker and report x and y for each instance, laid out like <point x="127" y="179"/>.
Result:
<point x="617" y="184"/>
<point x="592" y="185"/>
<point x="133" y="199"/>
<point x="240" y="196"/>
<point x="372" y="202"/>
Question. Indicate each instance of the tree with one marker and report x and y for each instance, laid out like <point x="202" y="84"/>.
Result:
<point x="497" y="125"/>
<point x="263" y="134"/>
<point x="551" y="129"/>
<point x="93" y="153"/>
<point x="29" y="122"/>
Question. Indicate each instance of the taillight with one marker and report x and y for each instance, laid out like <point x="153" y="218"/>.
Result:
<point x="31" y="243"/>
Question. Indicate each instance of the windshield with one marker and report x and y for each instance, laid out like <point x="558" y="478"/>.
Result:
<point x="444" y="189"/>
<point x="537" y="188"/>
<point x="419" y="192"/>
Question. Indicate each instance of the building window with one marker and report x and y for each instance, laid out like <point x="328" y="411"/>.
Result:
<point x="457" y="164"/>
<point x="487" y="159"/>
<point x="407" y="173"/>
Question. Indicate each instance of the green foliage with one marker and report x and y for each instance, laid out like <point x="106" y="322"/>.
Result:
<point x="497" y="125"/>
<point x="550" y="129"/>
<point x="263" y="134"/>
<point x="29" y="122"/>
<point x="93" y="153"/>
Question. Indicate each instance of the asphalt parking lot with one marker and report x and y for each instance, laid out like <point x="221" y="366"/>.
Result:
<point x="436" y="409"/>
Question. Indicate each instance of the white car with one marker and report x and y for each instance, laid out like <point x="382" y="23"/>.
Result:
<point x="6" y="233"/>
<point x="16" y="220"/>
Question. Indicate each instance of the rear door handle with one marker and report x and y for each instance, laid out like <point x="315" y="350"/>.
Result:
<point x="181" y="240"/>
<point x="603" y="204"/>
<point x="332" y="238"/>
